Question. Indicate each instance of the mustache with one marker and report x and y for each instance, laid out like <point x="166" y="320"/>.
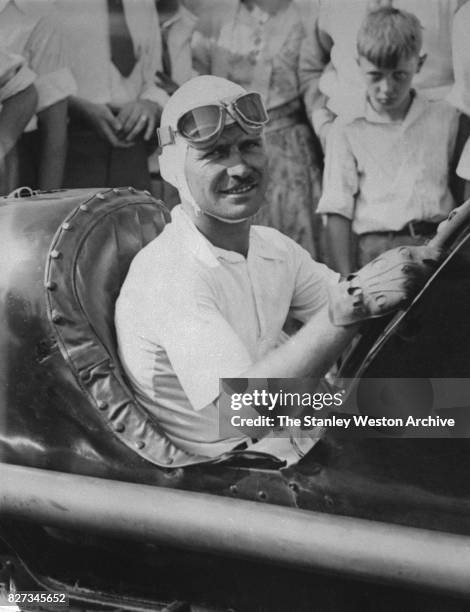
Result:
<point x="238" y="183"/>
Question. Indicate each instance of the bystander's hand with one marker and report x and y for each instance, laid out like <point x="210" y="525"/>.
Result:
<point x="104" y="122"/>
<point x="137" y="118"/>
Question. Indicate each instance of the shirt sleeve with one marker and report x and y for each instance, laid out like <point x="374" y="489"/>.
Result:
<point x="340" y="179"/>
<point x="45" y="54"/>
<point x="202" y="347"/>
<point x="311" y="285"/>
<point x="15" y="76"/>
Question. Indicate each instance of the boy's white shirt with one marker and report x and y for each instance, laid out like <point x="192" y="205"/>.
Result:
<point x="382" y="174"/>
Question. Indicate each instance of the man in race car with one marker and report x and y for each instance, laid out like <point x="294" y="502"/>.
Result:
<point x="209" y="297"/>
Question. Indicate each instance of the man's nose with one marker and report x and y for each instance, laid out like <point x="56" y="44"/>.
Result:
<point x="237" y="165"/>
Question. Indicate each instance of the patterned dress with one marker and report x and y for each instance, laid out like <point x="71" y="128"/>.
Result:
<point x="261" y="52"/>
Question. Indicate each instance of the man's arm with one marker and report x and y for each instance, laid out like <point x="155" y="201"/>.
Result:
<point x="310" y="352"/>
<point x="338" y="201"/>
<point x="314" y="58"/>
<point x="339" y="244"/>
<point x="378" y="289"/>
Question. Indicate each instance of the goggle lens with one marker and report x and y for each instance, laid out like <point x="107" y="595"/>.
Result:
<point x="201" y="123"/>
<point x="251" y="109"/>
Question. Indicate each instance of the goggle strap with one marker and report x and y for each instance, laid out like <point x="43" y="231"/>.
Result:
<point x="166" y="136"/>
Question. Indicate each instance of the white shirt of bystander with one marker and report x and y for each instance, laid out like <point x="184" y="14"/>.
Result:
<point x="99" y="81"/>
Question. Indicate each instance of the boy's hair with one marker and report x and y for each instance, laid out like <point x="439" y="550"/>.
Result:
<point x="387" y="35"/>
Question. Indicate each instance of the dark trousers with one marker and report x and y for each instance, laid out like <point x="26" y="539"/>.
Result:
<point x="93" y="162"/>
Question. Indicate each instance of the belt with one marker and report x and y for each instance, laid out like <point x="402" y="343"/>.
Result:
<point x="418" y="228"/>
<point x="413" y="229"/>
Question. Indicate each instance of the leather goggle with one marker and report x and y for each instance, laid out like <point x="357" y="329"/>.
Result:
<point x="201" y="127"/>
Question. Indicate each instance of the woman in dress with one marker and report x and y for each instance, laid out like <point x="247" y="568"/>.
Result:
<point x="257" y="43"/>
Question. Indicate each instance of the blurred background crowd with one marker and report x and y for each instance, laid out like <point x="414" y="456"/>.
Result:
<point x="83" y="84"/>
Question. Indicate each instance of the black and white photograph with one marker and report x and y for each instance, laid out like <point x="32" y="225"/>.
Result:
<point x="235" y="305"/>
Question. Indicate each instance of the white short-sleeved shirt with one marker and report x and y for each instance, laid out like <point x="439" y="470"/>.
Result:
<point x="382" y="174"/>
<point x="189" y="314"/>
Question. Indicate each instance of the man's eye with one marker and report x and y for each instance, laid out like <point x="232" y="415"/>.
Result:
<point x="250" y="145"/>
<point x="215" y="153"/>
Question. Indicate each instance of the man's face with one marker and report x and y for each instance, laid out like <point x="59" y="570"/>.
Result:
<point x="388" y="89"/>
<point x="228" y="180"/>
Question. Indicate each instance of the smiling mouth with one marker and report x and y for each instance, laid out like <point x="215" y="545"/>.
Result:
<point x="240" y="189"/>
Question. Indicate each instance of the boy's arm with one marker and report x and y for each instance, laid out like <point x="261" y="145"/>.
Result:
<point x="340" y="190"/>
<point x="53" y="129"/>
<point x="338" y="244"/>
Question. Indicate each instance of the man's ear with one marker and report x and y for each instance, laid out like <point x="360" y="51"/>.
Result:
<point x="421" y="60"/>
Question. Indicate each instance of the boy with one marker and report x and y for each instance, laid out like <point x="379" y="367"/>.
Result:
<point x="387" y="163"/>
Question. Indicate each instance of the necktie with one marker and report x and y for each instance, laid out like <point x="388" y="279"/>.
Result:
<point x="122" y="49"/>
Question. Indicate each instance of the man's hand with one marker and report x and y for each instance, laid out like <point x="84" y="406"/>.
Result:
<point x="383" y="285"/>
<point x="103" y="121"/>
<point x="137" y="117"/>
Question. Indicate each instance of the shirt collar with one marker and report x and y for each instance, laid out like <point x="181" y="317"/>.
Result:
<point x="209" y="254"/>
<point x="367" y="112"/>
